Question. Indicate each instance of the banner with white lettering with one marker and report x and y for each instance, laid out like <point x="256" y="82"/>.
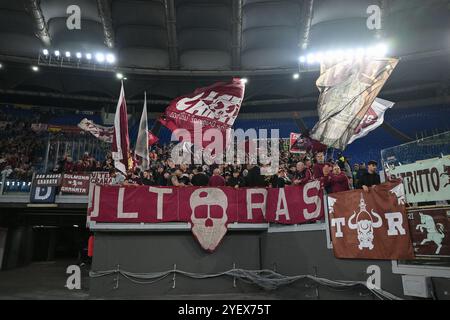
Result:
<point x="100" y="177"/>
<point x="370" y="225"/>
<point x="75" y="183"/>
<point x="213" y="107"/>
<point x="208" y="210"/>
<point x="427" y="180"/>
<point x="47" y="179"/>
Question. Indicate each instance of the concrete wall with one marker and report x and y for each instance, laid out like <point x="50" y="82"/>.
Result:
<point x="306" y="252"/>
<point x="289" y="253"/>
<point x="159" y="251"/>
<point x="19" y="247"/>
<point x="3" y="234"/>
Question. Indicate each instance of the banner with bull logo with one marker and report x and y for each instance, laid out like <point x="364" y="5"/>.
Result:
<point x="430" y="230"/>
<point x="426" y="180"/>
<point x="370" y="225"/>
<point x="208" y="210"/>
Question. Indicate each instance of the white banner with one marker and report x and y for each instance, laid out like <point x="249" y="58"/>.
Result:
<point x="426" y="180"/>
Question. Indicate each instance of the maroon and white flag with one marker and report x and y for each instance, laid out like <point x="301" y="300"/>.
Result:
<point x="208" y="210"/>
<point x="142" y="141"/>
<point x="373" y="118"/>
<point x="103" y="133"/>
<point x="77" y="183"/>
<point x="121" y="141"/>
<point x="216" y="106"/>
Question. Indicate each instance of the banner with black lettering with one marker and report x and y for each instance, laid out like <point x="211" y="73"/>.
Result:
<point x="426" y="180"/>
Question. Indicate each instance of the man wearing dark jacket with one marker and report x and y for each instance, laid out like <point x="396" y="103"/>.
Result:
<point x="254" y="177"/>
<point x="370" y="178"/>
<point x="200" y="179"/>
<point x="236" y="181"/>
<point x="282" y="179"/>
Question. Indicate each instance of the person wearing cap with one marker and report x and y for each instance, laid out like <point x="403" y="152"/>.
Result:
<point x="370" y="178"/>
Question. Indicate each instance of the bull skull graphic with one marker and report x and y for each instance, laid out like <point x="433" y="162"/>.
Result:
<point x="209" y="231"/>
<point x="364" y="224"/>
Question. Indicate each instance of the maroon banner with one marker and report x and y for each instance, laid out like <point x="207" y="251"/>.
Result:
<point x="208" y="210"/>
<point x="121" y="140"/>
<point x="370" y="225"/>
<point x="75" y="183"/>
<point x="430" y="230"/>
<point x="216" y="106"/>
<point x="296" y="143"/>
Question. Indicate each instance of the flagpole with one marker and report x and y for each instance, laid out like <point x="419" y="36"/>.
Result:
<point x="156" y="127"/>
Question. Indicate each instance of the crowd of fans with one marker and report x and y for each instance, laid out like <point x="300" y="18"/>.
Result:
<point x="295" y="169"/>
<point x="21" y="150"/>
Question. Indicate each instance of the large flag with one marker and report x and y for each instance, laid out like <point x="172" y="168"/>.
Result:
<point x="372" y="119"/>
<point x="105" y="134"/>
<point x="142" y="141"/>
<point x="216" y="106"/>
<point x="347" y="90"/>
<point x="121" y="141"/>
<point x="370" y="225"/>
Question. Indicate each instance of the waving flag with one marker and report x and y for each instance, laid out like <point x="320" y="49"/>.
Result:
<point x="372" y="119"/>
<point x="142" y="141"/>
<point x="121" y="141"/>
<point x="216" y="106"/>
<point x="347" y="90"/>
<point x="100" y="132"/>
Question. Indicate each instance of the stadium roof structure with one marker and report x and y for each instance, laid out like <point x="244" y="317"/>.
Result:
<point x="169" y="47"/>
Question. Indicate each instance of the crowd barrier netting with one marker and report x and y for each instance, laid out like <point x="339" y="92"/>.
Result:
<point x="427" y="148"/>
<point x="73" y="146"/>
